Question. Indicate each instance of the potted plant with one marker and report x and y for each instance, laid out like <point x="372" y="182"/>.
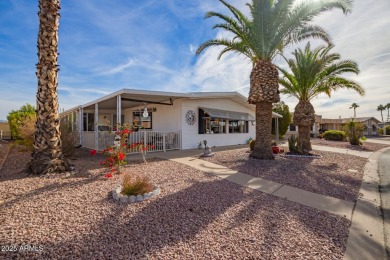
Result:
<point x="275" y="148"/>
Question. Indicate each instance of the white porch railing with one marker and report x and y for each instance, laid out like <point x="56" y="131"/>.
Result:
<point x="156" y="141"/>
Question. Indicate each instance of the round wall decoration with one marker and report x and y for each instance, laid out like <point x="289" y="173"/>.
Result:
<point x="190" y="117"/>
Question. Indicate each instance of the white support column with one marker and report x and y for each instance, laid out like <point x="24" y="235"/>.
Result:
<point x="71" y="118"/>
<point x="277" y="129"/>
<point x="118" y="110"/>
<point x="96" y="126"/>
<point x="81" y="125"/>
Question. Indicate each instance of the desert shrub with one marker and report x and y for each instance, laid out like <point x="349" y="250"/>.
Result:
<point x="252" y="144"/>
<point x="354" y="131"/>
<point x="294" y="145"/>
<point x="16" y="118"/>
<point x="26" y="130"/>
<point x="387" y="130"/>
<point x="381" y="131"/>
<point x="69" y="139"/>
<point x="135" y="185"/>
<point x="335" y="135"/>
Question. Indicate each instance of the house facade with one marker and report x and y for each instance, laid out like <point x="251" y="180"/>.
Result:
<point x="322" y="124"/>
<point x="166" y="120"/>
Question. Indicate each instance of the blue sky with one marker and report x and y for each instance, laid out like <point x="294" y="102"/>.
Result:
<point x="105" y="46"/>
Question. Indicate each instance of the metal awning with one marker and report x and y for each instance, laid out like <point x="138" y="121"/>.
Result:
<point x="229" y="115"/>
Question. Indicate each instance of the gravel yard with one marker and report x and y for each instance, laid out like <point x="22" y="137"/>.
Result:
<point x="328" y="175"/>
<point x="367" y="146"/>
<point x="196" y="216"/>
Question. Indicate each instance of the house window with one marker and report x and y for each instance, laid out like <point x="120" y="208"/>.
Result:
<point x="293" y="127"/>
<point x="142" y="122"/>
<point x="88" y="121"/>
<point x="238" y="126"/>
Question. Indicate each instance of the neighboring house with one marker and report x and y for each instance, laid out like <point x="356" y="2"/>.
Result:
<point x="5" y="132"/>
<point x="371" y="125"/>
<point x="167" y="120"/>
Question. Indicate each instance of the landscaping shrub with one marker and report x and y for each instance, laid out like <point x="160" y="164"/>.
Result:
<point x="387" y="130"/>
<point x="381" y="131"/>
<point x="135" y="185"/>
<point x="26" y="130"/>
<point x="252" y="144"/>
<point x="282" y="109"/>
<point x="16" y="118"/>
<point x="69" y="140"/>
<point x="354" y="131"/>
<point x="294" y="145"/>
<point x="335" y="135"/>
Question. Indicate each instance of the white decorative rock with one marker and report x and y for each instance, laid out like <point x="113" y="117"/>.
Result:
<point x="146" y="196"/>
<point x="157" y="191"/>
<point x="132" y="199"/>
<point x="140" y="198"/>
<point x="115" y="195"/>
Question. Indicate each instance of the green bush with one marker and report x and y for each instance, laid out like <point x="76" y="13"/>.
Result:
<point x="354" y="131"/>
<point x="135" y="185"/>
<point x="252" y="144"/>
<point x="294" y="145"/>
<point x="381" y="131"/>
<point x="387" y="128"/>
<point x="335" y="135"/>
<point x="282" y="109"/>
<point x="16" y="118"/>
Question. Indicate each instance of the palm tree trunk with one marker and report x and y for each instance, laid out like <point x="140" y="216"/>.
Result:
<point x="382" y="115"/>
<point x="262" y="149"/>
<point x="304" y="137"/>
<point x="47" y="155"/>
<point x="304" y="117"/>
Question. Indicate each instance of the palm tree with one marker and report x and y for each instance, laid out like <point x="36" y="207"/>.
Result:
<point x="271" y="27"/>
<point x="314" y="72"/>
<point x="354" y="106"/>
<point x="388" y="108"/>
<point x="47" y="155"/>
<point x="381" y="108"/>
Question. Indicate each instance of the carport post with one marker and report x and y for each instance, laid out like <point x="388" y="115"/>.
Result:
<point x="118" y="110"/>
<point x="96" y="127"/>
<point x="81" y="125"/>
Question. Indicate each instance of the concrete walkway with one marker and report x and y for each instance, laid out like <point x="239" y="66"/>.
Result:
<point x="366" y="237"/>
<point x="384" y="173"/>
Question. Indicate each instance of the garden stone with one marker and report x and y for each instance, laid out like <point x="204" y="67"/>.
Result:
<point x="124" y="199"/>
<point x="157" y="191"/>
<point x="146" y="196"/>
<point x="115" y="195"/>
<point x="140" y="198"/>
<point x="132" y="198"/>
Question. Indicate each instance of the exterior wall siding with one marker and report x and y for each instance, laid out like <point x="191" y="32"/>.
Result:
<point x="190" y="136"/>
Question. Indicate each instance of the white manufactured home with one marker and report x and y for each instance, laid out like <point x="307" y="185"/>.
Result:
<point x="166" y="120"/>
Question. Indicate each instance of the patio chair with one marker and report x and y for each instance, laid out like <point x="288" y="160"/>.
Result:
<point x="170" y="141"/>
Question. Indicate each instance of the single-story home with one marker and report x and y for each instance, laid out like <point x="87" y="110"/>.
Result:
<point x="5" y="131"/>
<point x="322" y="124"/>
<point x="166" y="120"/>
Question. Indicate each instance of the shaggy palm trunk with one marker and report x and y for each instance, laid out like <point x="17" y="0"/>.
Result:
<point x="263" y="92"/>
<point x="47" y="156"/>
<point x="304" y="117"/>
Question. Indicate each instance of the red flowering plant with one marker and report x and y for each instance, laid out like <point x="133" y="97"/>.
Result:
<point x="116" y="154"/>
<point x="142" y="148"/>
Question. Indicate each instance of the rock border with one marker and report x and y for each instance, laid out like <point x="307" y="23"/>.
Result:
<point x="302" y="156"/>
<point x="118" y="197"/>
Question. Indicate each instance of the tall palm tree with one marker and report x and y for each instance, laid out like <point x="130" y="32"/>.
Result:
<point x="314" y="72"/>
<point x="271" y="26"/>
<point x="354" y="106"/>
<point x="381" y="108"/>
<point x="47" y="155"/>
<point x="388" y="115"/>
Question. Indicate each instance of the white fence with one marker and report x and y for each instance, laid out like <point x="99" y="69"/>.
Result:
<point x="155" y="141"/>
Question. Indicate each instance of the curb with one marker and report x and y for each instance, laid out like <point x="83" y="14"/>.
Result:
<point x="366" y="233"/>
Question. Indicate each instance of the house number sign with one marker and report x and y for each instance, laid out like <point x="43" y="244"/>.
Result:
<point x="190" y="117"/>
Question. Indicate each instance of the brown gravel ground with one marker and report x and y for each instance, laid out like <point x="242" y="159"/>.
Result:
<point x="366" y="147"/>
<point x="328" y="175"/>
<point x="196" y="216"/>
